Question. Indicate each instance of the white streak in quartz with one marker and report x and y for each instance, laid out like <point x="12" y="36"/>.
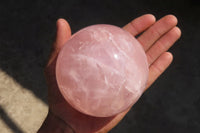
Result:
<point x="101" y="66"/>
<point x="73" y="75"/>
<point x="83" y="44"/>
<point x="117" y="46"/>
<point x="121" y="87"/>
<point x="92" y="60"/>
<point x="106" y="81"/>
<point x="95" y="35"/>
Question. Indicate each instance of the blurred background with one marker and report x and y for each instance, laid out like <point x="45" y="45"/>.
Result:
<point x="27" y="30"/>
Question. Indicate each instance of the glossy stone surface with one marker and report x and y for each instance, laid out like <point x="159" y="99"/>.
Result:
<point x="102" y="70"/>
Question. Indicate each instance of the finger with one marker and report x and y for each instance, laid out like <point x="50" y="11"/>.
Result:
<point x="158" y="67"/>
<point x="163" y="44"/>
<point x="140" y="24"/>
<point x="162" y="26"/>
<point x="62" y="35"/>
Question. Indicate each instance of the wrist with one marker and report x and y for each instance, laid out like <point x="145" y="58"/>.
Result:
<point x="53" y="124"/>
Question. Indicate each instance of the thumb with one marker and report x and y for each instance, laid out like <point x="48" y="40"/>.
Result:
<point x="62" y="35"/>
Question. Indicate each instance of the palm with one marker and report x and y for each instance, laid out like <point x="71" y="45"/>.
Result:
<point x="156" y="39"/>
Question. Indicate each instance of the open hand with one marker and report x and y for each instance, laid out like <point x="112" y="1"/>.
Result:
<point x="156" y="37"/>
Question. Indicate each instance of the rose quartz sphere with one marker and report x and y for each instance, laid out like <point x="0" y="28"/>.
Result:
<point x="102" y="70"/>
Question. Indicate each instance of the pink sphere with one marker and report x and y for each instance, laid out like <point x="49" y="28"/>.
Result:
<point x="102" y="70"/>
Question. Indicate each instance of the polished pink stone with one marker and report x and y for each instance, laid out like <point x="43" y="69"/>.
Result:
<point x="102" y="70"/>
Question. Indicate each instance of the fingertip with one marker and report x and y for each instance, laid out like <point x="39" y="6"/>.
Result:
<point x="61" y="19"/>
<point x="177" y="31"/>
<point x="150" y="17"/>
<point x="171" y="19"/>
<point x="140" y="24"/>
<point x="61" y="22"/>
<point x="168" y="56"/>
<point x="63" y="33"/>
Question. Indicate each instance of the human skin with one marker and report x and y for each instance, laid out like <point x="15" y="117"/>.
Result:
<point x="156" y="38"/>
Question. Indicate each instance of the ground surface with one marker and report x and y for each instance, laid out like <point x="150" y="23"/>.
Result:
<point x="27" y="30"/>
